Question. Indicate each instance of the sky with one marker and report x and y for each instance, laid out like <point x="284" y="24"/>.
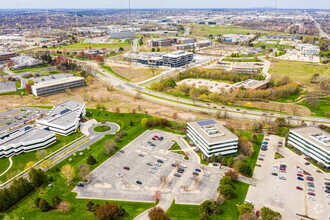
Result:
<point x="191" y="4"/>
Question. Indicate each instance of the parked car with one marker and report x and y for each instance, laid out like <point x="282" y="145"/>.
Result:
<point x="121" y="151"/>
<point x="80" y="185"/>
<point x="160" y="161"/>
<point x="274" y="174"/>
<point x="309" y="178"/>
<point x="150" y="164"/>
<point x="310" y="189"/>
<point x="261" y="154"/>
<point x="328" y="195"/>
<point x="282" y="178"/>
<point x="311" y="184"/>
<point x="238" y="109"/>
<point x="173" y="164"/>
<point x="119" y="175"/>
<point x="151" y="171"/>
<point x="139" y="182"/>
<point x="155" y="168"/>
<point x="157" y="164"/>
<point x="126" y="168"/>
<point x="156" y="136"/>
<point x="160" y="138"/>
<point x="275" y="168"/>
<point x="198" y="170"/>
<point x="300" y="178"/>
<point x="298" y="187"/>
<point x="311" y="198"/>
<point x="141" y="155"/>
<point x="327" y="187"/>
<point x="265" y="142"/>
<point x="154" y="139"/>
<point x="298" y="174"/>
<point x="327" y="183"/>
<point x="177" y="174"/>
<point x="260" y="158"/>
<point x="327" y="191"/>
<point x="195" y="173"/>
<point x="180" y="170"/>
<point x="311" y="193"/>
<point x="307" y="163"/>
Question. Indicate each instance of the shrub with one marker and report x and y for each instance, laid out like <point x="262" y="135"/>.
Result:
<point x="245" y="169"/>
<point x="204" y="216"/>
<point x="245" y="208"/>
<point x="215" y="208"/>
<point x="56" y="200"/>
<point x="89" y="205"/>
<point x="44" y="205"/>
<point x="226" y="190"/>
<point x="91" y="160"/>
<point x="205" y="207"/>
<point x="37" y="202"/>
<point x="226" y="180"/>
<point x="107" y="211"/>
<point x="157" y="213"/>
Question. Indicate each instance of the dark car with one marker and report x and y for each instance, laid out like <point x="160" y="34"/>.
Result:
<point x="298" y="187"/>
<point x="177" y="174"/>
<point x="198" y="170"/>
<point x="80" y="185"/>
<point x="180" y="171"/>
<point x="300" y="178"/>
<point x="309" y="178"/>
<point x="298" y="174"/>
<point x="141" y="155"/>
<point x="238" y="109"/>
<point x="126" y="168"/>
<point x="139" y="182"/>
<point x="275" y="174"/>
<point x="160" y="161"/>
<point x="327" y="191"/>
<point x="195" y="174"/>
<point x="260" y="158"/>
<point x="154" y="139"/>
<point x="328" y="187"/>
<point x="311" y="193"/>
<point x="160" y="138"/>
<point x="307" y="163"/>
<point x="121" y="151"/>
<point x="223" y="107"/>
<point x="327" y="183"/>
<point x="214" y="106"/>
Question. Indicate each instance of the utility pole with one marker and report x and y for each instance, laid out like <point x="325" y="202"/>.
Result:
<point x="129" y="10"/>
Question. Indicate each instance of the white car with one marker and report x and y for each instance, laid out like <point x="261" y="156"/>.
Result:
<point x="275" y="168"/>
<point x="119" y="175"/>
<point x="206" y="174"/>
<point x="328" y="195"/>
<point x="299" y="170"/>
<point x="282" y="177"/>
<point x="311" y="198"/>
<point x="151" y="171"/>
<point x="183" y="166"/>
<point x="261" y="154"/>
<point x="310" y="189"/>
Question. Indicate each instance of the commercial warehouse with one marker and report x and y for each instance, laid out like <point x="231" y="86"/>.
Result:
<point x="212" y="138"/>
<point x="24" y="139"/>
<point x="311" y="141"/>
<point x="64" y="118"/>
<point x="56" y="86"/>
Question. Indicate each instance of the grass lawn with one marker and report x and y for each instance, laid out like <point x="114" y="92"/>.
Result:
<point x="101" y="128"/>
<point x="30" y="69"/>
<point x="323" y="109"/>
<point x="204" y="162"/>
<point x="4" y="164"/>
<point x="175" y="147"/>
<point x="19" y="161"/>
<point x="229" y="209"/>
<point x="18" y="84"/>
<point x="298" y="71"/>
<point x="110" y="70"/>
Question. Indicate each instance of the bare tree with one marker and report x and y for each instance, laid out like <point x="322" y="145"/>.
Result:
<point x="68" y="173"/>
<point x="109" y="147"/>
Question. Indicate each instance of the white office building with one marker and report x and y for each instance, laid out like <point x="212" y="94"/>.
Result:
<point x="57" y="85"/>
<point x="24" y="139"/>
<point x="313" y="142"/>
<point x="177" y="59"/>
<point x="212" y="138"/>
<point x="64" y="118"/>
<point x="309" y="49"/>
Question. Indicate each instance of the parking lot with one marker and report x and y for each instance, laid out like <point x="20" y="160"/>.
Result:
<point x="282" y="195"/>
<point x="7" y="87"/>
<point x="111" y="181"/>
<point x="17" y="117"/>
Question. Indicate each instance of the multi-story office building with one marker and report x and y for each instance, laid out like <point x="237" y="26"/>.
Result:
<point x="56" y="86"/>
<point x="309" y="49"/>
<point x="6" y="56"/>
<point x="24" y="139"/>
<point x="160" y="43"/>
<point x="212" y="138"/>
<point x="311" y="141"/>
<point x="21" y="62"/>
<point x="187" y="40"/>
<point x="64" y="118"/>
<point x="177" y="59"/>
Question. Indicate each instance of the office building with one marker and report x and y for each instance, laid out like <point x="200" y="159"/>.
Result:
<point x="311" y="141"/>
<point x="6" y="56"/>
<point x="250" y="84"/>
<point x="160" y="43"/>
<point x="233" y="38"/>
<point x="246" y="67"/>
<point x="187" y="40"/>
<point x="309" y="49"/>
<point x="63" y="118"/>
<point x="56" y="86"/>
<point x="177" y="59"/>
<point x="21" y="62"/>
<point x="24" y="139"/>
<point x="212" y="138"/>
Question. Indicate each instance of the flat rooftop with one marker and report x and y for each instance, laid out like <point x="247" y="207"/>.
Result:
<point x="24" y="134"/>
<point x="56" y="82"/>
<point x="251" y="83"/>
<point x="64" y="113"/>
<point x="178" y="53"/>
<point x="315" y="135"/>
<point x="212" y="131"/>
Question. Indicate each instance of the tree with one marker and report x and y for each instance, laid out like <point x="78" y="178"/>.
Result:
<point x="268" y="214"/>
<point x="219" y="157"/>
<point x="213" y="159"/>
<point x="230" y="161"/>
<point x="226" y="190"/>
<point x="44" y="206"/>
<point x="84" y="170"/>
<point x="91" y="160"/>
<point x="68" y="173"/>
<point x="56" y="200"/>
<point x="31" y="82"/>
<point x="41" y="154"/>
<point x="226" y="181"/>
<point x="245" y="208"/>
<point x="107" y="211"/>
<point x="157" y="213"/>
<point x="28" y="88"/>
<point x="117" y="110"/>
<point x="215" y="208"/>
<point x="29" y="164"/>
<point x="37" y="201"/>
<point x="224" y="161"/>
<point x="175" y="115"/>
<point x="245" y="169"/>
<point x="89" y="205"/>
<point x="133" y="111"/>
<point x="153" y="70"/>
<point x="231" y="174"/>
<point x="37" y="177"/>
<point x="109" y="147"/>
<point x="99" y="59"/>
<point x="153" y="49"/>
<point x="145" y="122"/>
<point x="157" y="196"/>
<point x="254" y="138"/>
<point x="204" y="216"/>
<point x="205" y="207"/>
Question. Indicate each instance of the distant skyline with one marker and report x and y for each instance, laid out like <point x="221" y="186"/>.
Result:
<point x="143" y="4"/>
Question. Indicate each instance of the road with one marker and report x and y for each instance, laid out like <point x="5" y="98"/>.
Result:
<point x="318" y="26"/>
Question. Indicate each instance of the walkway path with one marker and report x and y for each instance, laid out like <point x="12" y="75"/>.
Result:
<point x="10" y="165"/>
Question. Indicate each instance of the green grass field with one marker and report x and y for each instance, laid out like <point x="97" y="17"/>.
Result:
<point x="110" y="70"/>
<point x="4" y="164"/>
<point x="298" y="71"/>
<point x="229" y="209"/>
<point x="101" y="128"/>
<point x="30" y="69"/>
<point x="82" y="45"/>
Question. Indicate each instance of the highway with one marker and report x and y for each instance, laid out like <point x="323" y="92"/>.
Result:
<point x="322" y="33"/>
